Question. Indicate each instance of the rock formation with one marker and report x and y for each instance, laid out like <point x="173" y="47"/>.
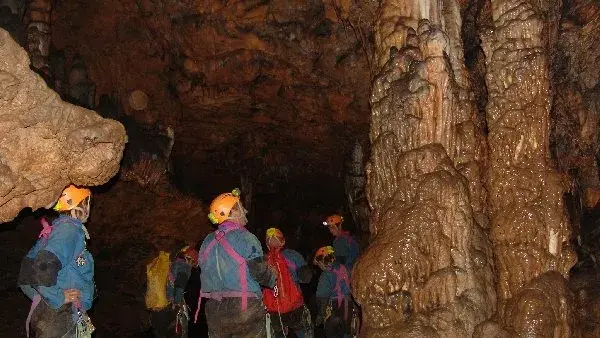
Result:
<point x="530" y="231"/>
<point x="45" y="143"/>
<point x="428" y="270"/>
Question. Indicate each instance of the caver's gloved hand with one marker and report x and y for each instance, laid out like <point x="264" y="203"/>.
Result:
<point x="261" y="272"/>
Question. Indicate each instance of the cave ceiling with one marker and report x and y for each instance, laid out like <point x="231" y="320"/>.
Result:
<point x="267" y="89"/>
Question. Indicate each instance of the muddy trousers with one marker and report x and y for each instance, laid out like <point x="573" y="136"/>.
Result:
<point x="164" y="323"/>
<point x="49" y="323"/>
<point x="225" y="318"/>
<point x="297" y="320"/>
<point x="339" y="324"/>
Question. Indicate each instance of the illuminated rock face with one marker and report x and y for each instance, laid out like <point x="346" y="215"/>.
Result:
<point x="46" y="143"/>
<point x="428" y="270"/>
<point x="530" y="230"/>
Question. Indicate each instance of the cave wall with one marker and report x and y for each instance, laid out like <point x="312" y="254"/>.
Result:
<point x="46" y="143"/>
<point x="248" y="87"/>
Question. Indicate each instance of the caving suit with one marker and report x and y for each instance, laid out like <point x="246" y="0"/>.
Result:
<point x="346" y="249"/>
<point x="232" y="269"/>
<point x="334" y="301"/>
<point x="58" y="261"/>
<point x="287" y="308"/>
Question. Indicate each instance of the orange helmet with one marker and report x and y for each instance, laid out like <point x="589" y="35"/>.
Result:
<point x="71" y="197"/>
<point x="324" y="251"/>
<point x="221" y="206"/>
<point x="275" y="236"/>
<point x="334" y="220"/>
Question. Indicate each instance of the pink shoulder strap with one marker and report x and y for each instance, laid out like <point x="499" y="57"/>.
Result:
<point x="290" y="264"/>
<point x="46" y="229"/>
<point x="220" y="239"/>
<point x="341" y="274"/>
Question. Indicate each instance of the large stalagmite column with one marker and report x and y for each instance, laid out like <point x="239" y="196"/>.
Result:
<point x="530" y="231"/>
<point x="428" y="271"/>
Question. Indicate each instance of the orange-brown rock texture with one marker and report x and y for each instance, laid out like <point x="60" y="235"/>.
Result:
<point x="428" y="269"/>
<point x="254" y="85"/>
<point x="530" y="230"/>
<point x="46" y="143"/>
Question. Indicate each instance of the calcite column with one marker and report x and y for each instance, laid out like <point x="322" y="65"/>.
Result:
<point x="530" y="231"/>
<point x="428" y="270"/>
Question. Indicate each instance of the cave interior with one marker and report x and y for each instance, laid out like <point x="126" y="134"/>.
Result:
<point x="469" y="125"/>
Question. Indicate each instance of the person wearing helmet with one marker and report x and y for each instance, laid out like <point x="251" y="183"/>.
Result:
<point x="172" y="321"/>
<point x="57" y="274"/>
<point x="285" y="303"/>
<point x="232" y="268"/>
<point x="345" y="246"/>
<point x="334" y="300"/>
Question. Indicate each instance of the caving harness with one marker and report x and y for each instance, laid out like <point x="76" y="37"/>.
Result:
<point x="182" y="319"/>
<point x="83" y="324"/>
<point x="242" y="268"/>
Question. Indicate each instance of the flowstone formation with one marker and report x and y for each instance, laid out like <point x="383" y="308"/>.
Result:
<point x="428" y="270"/>
<point x="46" y="143"/>
<point x="530" y="231"/>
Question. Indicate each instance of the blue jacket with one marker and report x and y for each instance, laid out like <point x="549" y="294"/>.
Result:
<point x="67" y="243"/>
<point x="346" y="250"/>
<point x="178" y="277"/>
<point x="296" y="259"/>
<point x="219" y="272"/>
<point x="327" y="283"/>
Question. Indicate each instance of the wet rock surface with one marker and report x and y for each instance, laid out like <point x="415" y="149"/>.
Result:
<point x="530" y="230"/>
<point x="47" y="143"/>
<point x="428" y="269"/>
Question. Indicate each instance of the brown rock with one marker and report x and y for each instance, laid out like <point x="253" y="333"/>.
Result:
<point x="47" y="143"/>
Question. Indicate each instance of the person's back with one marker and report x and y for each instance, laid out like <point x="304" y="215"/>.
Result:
<point x="221" y="271"/>
<point x="334" y="299"/>
<point x="57" y="274"/>
<point x="172" y="320"/>
<point x="232" y="267"/>
<point x="346" y="247"/>
<point x="286" y="304"/>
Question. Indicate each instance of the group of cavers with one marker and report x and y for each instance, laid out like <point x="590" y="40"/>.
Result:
<point x="244" y="292"/>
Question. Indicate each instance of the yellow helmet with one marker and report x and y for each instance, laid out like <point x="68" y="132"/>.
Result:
<point x="221" y="206"/>
<point x="275" y="236"/>
<point x="71" y="197"/>
<point x="334" y="220"/>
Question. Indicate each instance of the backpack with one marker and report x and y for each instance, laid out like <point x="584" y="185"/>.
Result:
<point x="288" y="296"/>
<point x="157" y="273"/>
